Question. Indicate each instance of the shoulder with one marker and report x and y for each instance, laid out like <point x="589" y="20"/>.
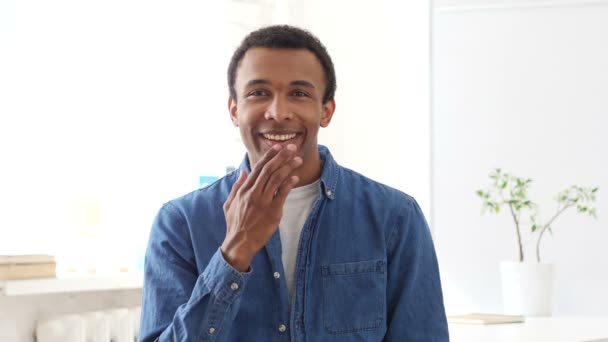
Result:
<point x="366" y="188"/>
<point x="196" y="216"/>
<point x="210" y="197"/>
<point x="400" y="211"/>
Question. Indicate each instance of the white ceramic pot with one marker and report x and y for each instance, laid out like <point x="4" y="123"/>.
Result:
<point x="527" y="288"/>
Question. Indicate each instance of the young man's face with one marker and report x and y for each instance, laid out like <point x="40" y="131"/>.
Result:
<point x="279" y="101"/>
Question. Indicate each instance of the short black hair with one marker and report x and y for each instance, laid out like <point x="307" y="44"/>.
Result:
<point x="284" y="37"/>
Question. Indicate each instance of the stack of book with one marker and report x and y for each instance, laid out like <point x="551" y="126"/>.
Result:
<point x="27" y="266"/>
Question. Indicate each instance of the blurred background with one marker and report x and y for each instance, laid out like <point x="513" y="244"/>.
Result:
<point x="109" y="109"/>
<point x="520" y="85"/>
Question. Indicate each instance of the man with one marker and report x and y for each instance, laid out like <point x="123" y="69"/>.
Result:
<point x="290" y="246"/>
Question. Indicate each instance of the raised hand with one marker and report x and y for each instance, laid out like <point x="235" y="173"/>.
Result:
<point x="254" y="206"/>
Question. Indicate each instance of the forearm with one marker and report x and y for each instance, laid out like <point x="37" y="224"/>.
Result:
<point x="206" y="315"/>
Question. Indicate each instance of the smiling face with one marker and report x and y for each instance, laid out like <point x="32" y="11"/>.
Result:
<point x="279" y="101"/>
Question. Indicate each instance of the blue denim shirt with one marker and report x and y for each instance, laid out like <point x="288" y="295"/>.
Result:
<point x="365" y="270"/>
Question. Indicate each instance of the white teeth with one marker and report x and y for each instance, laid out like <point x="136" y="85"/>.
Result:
<point x="279" y="137"/>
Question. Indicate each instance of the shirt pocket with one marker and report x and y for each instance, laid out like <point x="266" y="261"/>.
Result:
<point x="354" y="296"/>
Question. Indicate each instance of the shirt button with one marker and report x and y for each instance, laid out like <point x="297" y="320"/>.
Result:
<point x="282" y="328"/>
<point x="211" y="330"/>
<point x="234" y="286"/>
<point x="328" y="192"/>
<point x="277" y="275"/>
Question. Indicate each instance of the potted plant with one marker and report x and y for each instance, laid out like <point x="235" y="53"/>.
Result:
<point x="527" y="286"/>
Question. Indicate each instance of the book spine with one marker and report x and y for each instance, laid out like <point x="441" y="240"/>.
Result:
<point x="27" y="271"/>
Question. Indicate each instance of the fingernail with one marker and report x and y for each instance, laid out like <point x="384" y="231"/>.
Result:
<point x="291" y="147"/>
<point x="298" y="160"/>
<point x="276" y="147"/>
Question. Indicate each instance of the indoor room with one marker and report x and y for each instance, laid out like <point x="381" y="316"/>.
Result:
<point x="489" y="113"/>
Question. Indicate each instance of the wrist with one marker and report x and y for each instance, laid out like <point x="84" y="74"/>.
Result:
<point x="236" y="258"/>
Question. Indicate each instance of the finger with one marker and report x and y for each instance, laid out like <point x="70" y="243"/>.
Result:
<point x="282" y="159"/>
<point x="235" y="188"/>
<point x="283" y="191"/>
<point x="257" y="168"/>
<point x="278" y="177"/>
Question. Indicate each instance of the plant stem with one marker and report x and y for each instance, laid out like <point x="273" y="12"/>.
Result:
<point x="545" y="227"/>
<point x="521" y="250"/>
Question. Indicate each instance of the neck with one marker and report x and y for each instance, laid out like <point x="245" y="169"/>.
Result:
<point x="310" y="171"/>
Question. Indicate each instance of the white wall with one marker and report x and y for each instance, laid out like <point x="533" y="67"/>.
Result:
<point x="523" y="88"/>
<point x="116" y="108"/>
<point x="117" y="105"/>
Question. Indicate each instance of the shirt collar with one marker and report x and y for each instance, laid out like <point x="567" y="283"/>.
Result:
<point x="329" y="175"/>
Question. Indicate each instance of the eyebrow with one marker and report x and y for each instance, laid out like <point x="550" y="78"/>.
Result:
<point x="254" y="82"/>
<point x="300" y="83"/>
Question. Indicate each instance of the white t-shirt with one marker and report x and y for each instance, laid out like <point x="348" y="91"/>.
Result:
<point x="295" y="211"/>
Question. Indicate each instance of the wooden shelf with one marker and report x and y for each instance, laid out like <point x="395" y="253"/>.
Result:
<point x="71" y="284"/>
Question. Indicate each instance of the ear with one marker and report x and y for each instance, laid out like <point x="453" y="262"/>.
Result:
<point x="232" y="108"/>
<point x="328" y="112"/>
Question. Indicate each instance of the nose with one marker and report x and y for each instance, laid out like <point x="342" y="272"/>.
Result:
<point x="278" y="110"/>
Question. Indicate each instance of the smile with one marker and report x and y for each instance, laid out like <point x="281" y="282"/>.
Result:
<point x="279" y="137"/>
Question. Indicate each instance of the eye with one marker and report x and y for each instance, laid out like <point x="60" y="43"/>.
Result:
<point x="258" y="93"/>
<point x="299" y="93"/>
